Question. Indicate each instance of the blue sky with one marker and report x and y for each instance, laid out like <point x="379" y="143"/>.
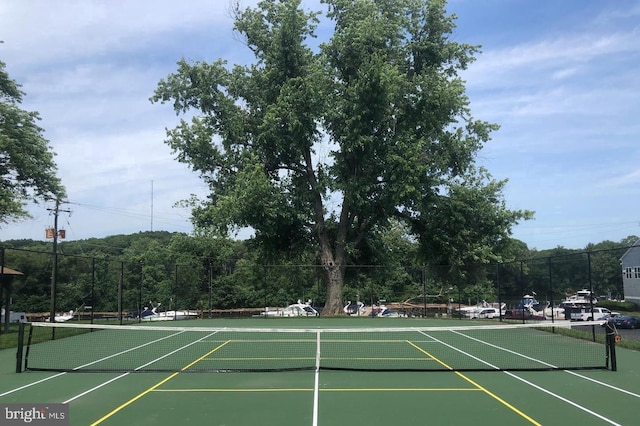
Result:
<point x="559" y="77"/>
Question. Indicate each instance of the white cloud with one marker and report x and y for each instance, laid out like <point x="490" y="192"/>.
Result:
<point x="539" y="60"/>
<point x="72" y="29"/>
<point x="566" y="100"/>
<point x="631" y="178"/>
<point x="564" y="73"/>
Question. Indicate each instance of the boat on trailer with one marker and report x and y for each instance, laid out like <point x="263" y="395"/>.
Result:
<point x="152" y="314"/>
<point x="298" y="309"/>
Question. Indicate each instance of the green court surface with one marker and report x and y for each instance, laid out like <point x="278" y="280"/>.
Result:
<point x="332" y="398"/>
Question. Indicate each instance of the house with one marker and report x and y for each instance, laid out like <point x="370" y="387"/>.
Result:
<point x="630" y="262"/>
<point x="6" y="283"/>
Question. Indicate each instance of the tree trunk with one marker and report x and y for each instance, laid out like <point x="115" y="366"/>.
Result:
<point x="334" y="276"/>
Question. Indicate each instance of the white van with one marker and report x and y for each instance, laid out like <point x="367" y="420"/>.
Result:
<point x="584" y="314"/>
<point x="489" y="313"/>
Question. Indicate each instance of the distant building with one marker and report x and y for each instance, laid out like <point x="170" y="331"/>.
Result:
<point x="630" y="262"/>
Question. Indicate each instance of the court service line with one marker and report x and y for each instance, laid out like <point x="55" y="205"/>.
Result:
<point x="580" y="407"/>
<point x="316" y="384"/>
<point x="253" y="390"/>
<point x="482" y="388"/>
<point x="85" y="365"/>
<point x="152" y="388"/>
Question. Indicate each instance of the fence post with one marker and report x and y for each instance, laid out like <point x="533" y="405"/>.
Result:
<point x="210" y="287"/>
<point x="93" y="285"/>
<point x="20" y="344"/>
<point x="120" y="295"/>
<point x="551" y="288"/>
<point x="5" y="324"/>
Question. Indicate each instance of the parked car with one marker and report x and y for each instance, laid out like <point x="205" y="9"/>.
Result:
<point x="626" y="321"/>
<point x="611" y="315"/>
<point x="585" y="314"/>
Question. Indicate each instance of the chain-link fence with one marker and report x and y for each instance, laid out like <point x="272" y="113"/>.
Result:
<point x="113" y="289"/>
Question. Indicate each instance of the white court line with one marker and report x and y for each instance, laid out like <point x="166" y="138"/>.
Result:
<point x="561" y="398"/>
<point x="580" y="407"/>
<point x="96" y="388"/>
<point x="31" y="384"/>
<point x="603" y="384"/>
<point x="85" y="365"/>
<point x="316" y="386"/>
<point x="77" y="368"/>
<point x="137" y="368"/>
<point x="550" y="365"/>
<point x="505" y="350"/>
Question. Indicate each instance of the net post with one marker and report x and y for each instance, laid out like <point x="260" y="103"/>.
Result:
<point x="20" y="345"/>
<point x="610" y="340"/>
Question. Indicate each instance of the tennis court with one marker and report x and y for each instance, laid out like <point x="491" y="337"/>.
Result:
<point x="301" y="373"/>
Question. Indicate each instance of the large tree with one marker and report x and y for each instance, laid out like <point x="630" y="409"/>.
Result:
<point x="325" y="144"/>
<point x="27" y="167"/>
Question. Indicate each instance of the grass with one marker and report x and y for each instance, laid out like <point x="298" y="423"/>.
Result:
<point x="9" y="339"/>
<point x="599" y="337"/>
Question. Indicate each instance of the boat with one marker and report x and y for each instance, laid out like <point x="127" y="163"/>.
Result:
<point x="354" y="308"/>
<point x="65" y="316"/>
<point x="298" y="309"/>
<point x="528" y="302"/>
<point x="582" y="297"/>
<point x="383" y="311"/>
<point x="530" y="308"/>
<point x="152" y="314"/>
<point x="483" y="310"/>
<point x="554" y="313"/>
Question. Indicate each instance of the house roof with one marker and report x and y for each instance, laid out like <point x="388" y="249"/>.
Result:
<point x="8" y="271"/>
<point x="634" y="246"/>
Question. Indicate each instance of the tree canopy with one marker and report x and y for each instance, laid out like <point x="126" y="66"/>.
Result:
<point x="27" y="167"/>
<point x="329" y="143"/>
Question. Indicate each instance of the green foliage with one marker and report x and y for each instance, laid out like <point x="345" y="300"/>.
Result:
<point x="27" y="167"/>
<point x="382" y="96"/>
<point x="187" y="272"/>
<point x="617" y="306"/>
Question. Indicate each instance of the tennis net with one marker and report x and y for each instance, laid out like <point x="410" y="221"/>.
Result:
<point x="142" y="348"/>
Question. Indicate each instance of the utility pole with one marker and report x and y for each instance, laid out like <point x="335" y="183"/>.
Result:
<point x="151" y="206"/>
<point x="54" y="269"/>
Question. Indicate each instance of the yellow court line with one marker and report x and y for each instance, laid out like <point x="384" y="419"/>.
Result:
<point x="204" y="390"/>
<point x="152" y="388"/>
<point x="303" y="358"/>
<point x="488" y="392"/>
<point x="307" y="358"/>
<point x="399" y="390"/>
